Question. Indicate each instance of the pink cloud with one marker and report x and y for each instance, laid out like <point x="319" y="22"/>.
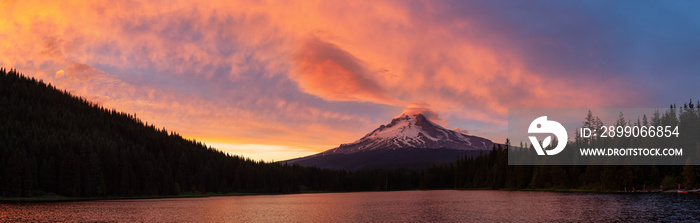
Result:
<point x="424" y="109"/>
<point x="243" y="71"/>
<point x="323" y="69"/>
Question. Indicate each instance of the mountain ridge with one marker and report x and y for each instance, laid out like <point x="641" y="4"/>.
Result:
<point x="407" y="133"/>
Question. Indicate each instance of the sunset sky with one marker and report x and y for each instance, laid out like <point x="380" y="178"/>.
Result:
<point x="278" y="80"/>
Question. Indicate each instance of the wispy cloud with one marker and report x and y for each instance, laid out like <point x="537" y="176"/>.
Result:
<point x="323" y="69"/>
<point x="314" y="74"/>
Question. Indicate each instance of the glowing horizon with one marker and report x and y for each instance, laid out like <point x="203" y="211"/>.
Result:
<point x="277" y="80"/>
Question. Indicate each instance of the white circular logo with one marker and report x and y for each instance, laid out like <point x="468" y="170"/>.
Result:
<point x="542" y="125"/>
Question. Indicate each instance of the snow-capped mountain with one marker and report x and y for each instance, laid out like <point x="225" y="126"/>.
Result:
<point x="413" y="131"/>
<point x="408" y="138"/>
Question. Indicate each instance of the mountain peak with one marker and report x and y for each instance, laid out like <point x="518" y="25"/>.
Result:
<point x="408" y="115"/>
<point x="410" y="140"/>
<point x="413" y="130"/>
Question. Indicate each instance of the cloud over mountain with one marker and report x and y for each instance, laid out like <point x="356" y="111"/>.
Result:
<point x="256" y="72"/>
<point x="323" y="69"/>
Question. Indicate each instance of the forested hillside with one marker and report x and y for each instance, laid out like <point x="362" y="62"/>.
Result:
<point x="53" y="142"/>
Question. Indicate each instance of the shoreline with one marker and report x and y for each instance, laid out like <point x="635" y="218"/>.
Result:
<point x="58" y="198"/>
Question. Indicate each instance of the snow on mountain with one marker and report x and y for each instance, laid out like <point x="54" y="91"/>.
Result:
<point x="412" y="131"/>
<point x="409" y="141"/>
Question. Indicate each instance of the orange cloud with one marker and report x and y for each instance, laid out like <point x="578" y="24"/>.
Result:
<point x="79" y="72"/>
<point x="241" y="72"/>
<point x="323" y="69"/>
<point x="422" y="108"/>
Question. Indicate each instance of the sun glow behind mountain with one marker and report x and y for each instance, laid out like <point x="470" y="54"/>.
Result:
<point x="277" y="80"/>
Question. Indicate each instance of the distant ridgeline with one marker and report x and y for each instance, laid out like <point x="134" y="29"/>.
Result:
<point x="54" y="143"/>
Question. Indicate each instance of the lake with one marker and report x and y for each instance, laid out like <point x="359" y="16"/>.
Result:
<point x="398" y="206"/>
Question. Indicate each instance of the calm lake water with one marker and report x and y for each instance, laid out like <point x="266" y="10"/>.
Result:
<point x="400" y="206"/>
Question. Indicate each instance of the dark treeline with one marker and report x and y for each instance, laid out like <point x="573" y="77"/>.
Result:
<point x="54" y="143"/>
<point x="491" y="170"/>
